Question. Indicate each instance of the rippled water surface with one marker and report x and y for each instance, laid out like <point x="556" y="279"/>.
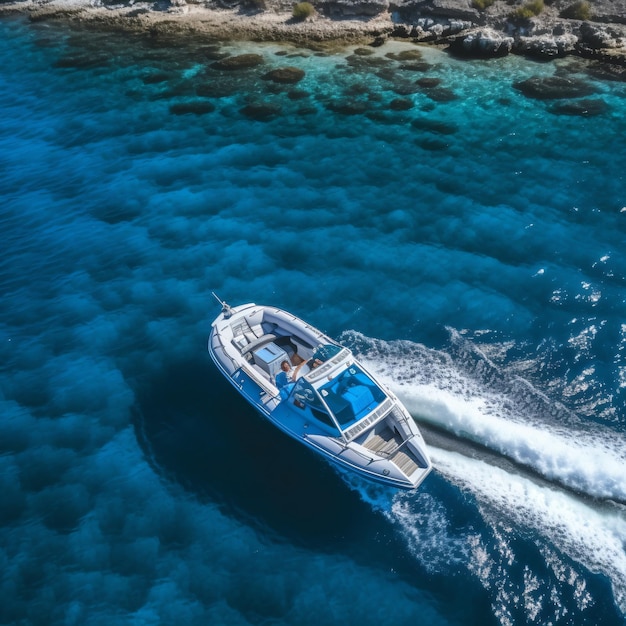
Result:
<point x="463" y="236"/>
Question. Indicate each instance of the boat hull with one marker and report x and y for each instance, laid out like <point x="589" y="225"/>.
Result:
<point x="263" y="396"/>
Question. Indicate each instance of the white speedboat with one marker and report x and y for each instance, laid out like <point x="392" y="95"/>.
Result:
<point x="323" y="397"/>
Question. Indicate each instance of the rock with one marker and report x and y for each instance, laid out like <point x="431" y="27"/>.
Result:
<point x="405" y="88"/>
<point x="358" y="89"/>
<point x="597" y="37"/>
<point x="156" y="78"/>
<point x="261" y="111"/>
<point x="441" y="94"/>
<point x="352" y="8"/>
<point x="432" y="144"/>
<point x="302" y="111"/>
<point x="178" y="6"/>
<point x="440" y="28"/>
<point x="606" y="71"/>
<point x="367" y="63"/>
<point x="459" y="9"/>
<point x="485" y="42"/>
<point x="384" y="117"/>
<point x="405" y="55"/>
<point x="82" y="61"/>
<point x="415" y="67"/>
<point x="387" y="74"/>
<point x="434" y="126"/>
<point x="428" y="82"/>
<point x="401" y="104"/>
<point x="402" y="31"/>
<point x="298" y="94"/>
<point x="199" y="107"/>
<point x="213" y="53"/>
<point x="217" y="89"/>
<point x="239" y="62"/>
<point x="585" y="108"/>
<point x="547" y="45"/>
<point x="285" y="75"/>
<point x="457" y="26"/>
<point x="347" y="107"/>
<point x="554" y="87"/>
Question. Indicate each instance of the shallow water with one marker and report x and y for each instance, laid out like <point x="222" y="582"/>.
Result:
<point x="464" y="239"/>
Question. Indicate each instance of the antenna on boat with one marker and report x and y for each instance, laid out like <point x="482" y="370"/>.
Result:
<point x="226" y="310"/>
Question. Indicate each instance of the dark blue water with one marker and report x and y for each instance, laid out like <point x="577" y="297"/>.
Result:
<point x="465" y="239"/>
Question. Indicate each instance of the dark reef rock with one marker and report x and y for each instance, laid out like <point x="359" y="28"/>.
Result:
<point x="347" y="107"/>
<point x="82" y="61"/>
<point x="261" y="111"/>
<point x="405" y="88"/>
<point x="428" y="82"/>
<point x="554" y="87"/>
<point x="221" y="89"/>
<point x="213" y="53"/>
<point x="156" y="78"/>
<point x="239" y="62"/>
<point x="606" y="71"/>
<point x="366" y="63"/>
<point x="434" y="126"/>
<point x="405" y="55"/>
<point x="482" y="43"/>
<point x="285" y="75"/>
<point x="441" y="94"/>
<point x="297" y="94"/>
<point x="199" y="107"/>
<point x="401" y="104"/>
<point x="585" y="108"/>
<point x="432" y="144"/>
<point x="384" y="117"/>
<point x="415" y="67"/>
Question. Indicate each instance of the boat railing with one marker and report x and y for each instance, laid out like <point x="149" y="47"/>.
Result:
<point x="399" y="416"/>
<point x="223" y="348"/>
<point x="380" y="412"/>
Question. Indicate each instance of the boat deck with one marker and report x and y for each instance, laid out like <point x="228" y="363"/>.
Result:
<point x="385" y="442"/>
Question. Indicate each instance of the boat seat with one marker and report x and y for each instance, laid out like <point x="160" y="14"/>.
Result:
<point x="240" y="342"/>
<point x="244" y="334"/>
<point x="257" y="343"/>
<point x="359" y="397"/>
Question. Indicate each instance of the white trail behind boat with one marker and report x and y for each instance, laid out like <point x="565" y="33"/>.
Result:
<point x="571" y="496"/>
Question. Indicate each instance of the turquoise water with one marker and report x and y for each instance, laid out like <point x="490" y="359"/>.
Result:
<point x="466" y="240"/>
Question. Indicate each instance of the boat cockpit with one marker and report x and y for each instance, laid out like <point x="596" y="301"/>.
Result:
<point x="339" y="393"/>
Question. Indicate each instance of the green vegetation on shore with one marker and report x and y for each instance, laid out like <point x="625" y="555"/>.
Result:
<point x="302" y="10"/>
<point x="578" y="11"/>
<point x="481" y="5"/>
<point x="529" y="9"/>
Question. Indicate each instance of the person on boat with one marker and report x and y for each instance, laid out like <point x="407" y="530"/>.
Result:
<point x="285" y="376"/>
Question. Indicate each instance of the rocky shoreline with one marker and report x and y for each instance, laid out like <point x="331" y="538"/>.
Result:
<point x="498" y="28"/>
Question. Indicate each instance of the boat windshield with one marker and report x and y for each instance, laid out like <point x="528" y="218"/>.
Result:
<point x="350" y="396"/>
<point x="305" y="396"/>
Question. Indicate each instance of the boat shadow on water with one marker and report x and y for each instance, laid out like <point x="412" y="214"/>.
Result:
<point x="197" y="431"/>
